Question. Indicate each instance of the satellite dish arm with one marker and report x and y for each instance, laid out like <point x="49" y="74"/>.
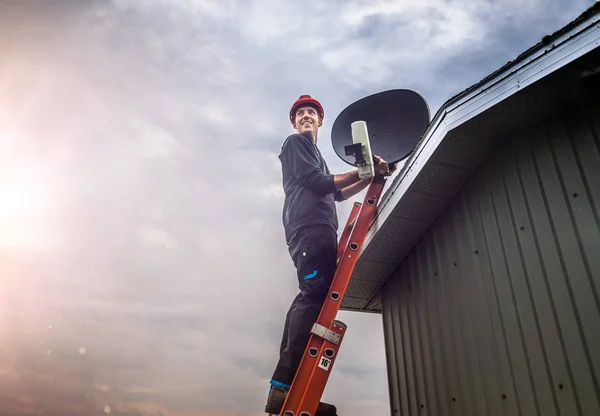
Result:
<point x="361" y="149"/>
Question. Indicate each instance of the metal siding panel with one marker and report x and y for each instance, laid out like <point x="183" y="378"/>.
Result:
<point x="513" y="229"/>
<point x="497" y="332"/>
<point x="428" y="388"/>
<point x="571" y="260"/>
<point x="449" y="287"/>
<point x="496" y="309"/>
<point x="580" y="210"/>
<point x="577" y="377"/>
<point x="399" y="350"/>
<point x="524" y="190"/>
<point x="432" y="323"/>
<point x="392" y="362"/>
<point x="583" y="210"/>
<point x="455" y="406"/>
<point x="489" y="376"/>
<point x="509" y="315"/>
<point x="450" y="279"/>
<point x="416" y="345"/>
<point x="405" y="325"/>
<point x="460" y="252"/>
<point x="546" y="328"/>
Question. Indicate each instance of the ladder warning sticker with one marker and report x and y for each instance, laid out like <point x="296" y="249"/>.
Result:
<point x="325" y="363"/>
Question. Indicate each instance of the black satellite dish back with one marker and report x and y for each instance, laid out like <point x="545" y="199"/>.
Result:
<point x="396" y="120"/>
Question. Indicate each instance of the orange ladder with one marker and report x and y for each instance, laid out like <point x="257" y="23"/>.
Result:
<point x="327" y="333"/>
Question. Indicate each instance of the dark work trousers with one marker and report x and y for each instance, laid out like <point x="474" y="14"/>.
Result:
<point x="313" y="250"/>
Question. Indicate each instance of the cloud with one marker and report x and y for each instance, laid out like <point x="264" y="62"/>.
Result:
<point x="147" y="134"/>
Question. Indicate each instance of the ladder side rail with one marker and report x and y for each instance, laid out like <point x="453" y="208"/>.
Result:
<point x="347" y="230"/>
<point x="308" y="385"/>
<point x="346" y="266"/>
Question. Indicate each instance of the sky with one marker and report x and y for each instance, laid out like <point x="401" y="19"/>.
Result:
<point x="143" y="267"/>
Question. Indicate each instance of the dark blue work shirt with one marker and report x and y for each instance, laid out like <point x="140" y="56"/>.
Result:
<point x="310" y="193"/>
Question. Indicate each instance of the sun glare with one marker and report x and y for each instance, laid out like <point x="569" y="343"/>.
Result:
<point x="25" y="199"/>
<point x="19" y="199"/>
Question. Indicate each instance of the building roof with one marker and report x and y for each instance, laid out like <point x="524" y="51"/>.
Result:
<point x="543" y="80"/>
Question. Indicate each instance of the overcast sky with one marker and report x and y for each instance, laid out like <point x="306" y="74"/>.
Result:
<point x="143" y="269"/>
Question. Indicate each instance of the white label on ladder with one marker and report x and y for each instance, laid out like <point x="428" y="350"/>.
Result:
<point x="325" y="363"/>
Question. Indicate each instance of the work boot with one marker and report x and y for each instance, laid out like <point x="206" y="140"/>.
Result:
<point x="277" y="396"/>
<point x="325" y="409"/>
<point x="275" y="400"/>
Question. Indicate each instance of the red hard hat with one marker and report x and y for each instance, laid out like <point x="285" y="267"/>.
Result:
<point x="306" y="100"/>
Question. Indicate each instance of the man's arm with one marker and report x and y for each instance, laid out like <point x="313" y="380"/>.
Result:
<point x="381" y="168"/>
<point x="351" y="190"/>
<point x="299" y="155"/>
<point x="344" y="180"/>
<point x="302" y="159"/>
<point x="353" y="183"/>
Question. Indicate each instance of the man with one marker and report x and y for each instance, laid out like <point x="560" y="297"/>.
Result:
<point x="310" y="224"/>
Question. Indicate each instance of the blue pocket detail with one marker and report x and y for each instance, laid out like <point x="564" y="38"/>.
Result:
<point x="280" y="384"/>
<point x="311" y="275"/>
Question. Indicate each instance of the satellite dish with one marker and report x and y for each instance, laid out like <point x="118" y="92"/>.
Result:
<point x="396" y="120"/>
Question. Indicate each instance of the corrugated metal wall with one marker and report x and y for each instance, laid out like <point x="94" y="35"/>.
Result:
<point x="496" y="311"/>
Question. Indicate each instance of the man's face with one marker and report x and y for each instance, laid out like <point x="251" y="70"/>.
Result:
<point x="307" y="121"/>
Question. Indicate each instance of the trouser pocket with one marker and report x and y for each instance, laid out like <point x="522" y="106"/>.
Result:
<point x="314" y="253"/>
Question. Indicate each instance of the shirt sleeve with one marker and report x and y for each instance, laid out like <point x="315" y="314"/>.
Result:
<point x="303" y="161"/>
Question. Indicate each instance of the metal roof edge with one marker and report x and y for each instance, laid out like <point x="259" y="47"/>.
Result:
<point x="439" y="125"/>
<point x="584" y="21"/>
<point x="552" y="53"/>
<point x="587" y="15"/>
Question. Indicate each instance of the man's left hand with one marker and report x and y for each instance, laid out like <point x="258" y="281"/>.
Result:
<point x="381" y="167"/>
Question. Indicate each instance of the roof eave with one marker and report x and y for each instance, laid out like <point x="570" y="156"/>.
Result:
<point x="554" y="52"/>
